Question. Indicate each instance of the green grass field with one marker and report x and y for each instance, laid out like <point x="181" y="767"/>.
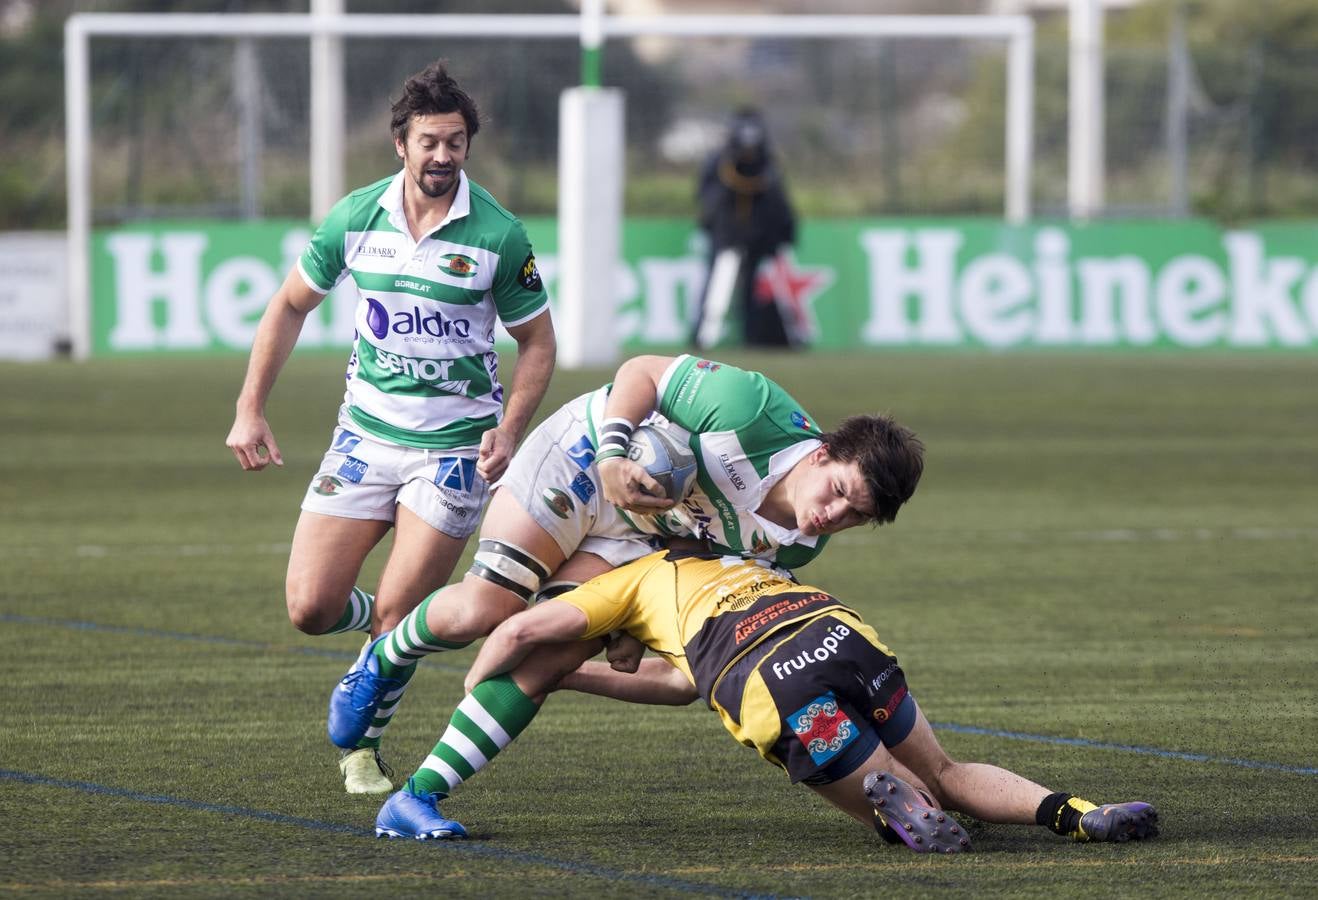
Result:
<point x="1107" y="582"/>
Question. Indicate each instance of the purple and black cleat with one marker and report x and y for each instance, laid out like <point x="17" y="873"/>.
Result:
<point x="912" y="818"/>
<point x="1119" y="822"/>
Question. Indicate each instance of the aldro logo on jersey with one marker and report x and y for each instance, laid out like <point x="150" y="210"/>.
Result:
<point x="458" y="265"/>
<point x="414" y="322"/>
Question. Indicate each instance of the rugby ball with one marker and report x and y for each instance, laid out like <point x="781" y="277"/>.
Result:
<point x="666" y="459"/>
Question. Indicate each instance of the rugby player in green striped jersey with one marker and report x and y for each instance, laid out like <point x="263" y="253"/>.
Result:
<point x="435" y="262"/>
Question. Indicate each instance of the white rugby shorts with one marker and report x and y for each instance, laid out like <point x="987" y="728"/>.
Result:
<point x="361" y="477"/>
<point x="553" y="478"/>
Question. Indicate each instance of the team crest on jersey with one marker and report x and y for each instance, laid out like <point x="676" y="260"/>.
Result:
<point x="709" y="364"/>
<point x="800" y="421"/>
<point x="558" y="502"/>
<point x="327" y="485"/>
<point x="823" y="727"/>
<point x="529" y="276"/>
<point x="459" y="265"/>
<point x="456" y="473"/>
<point x="759" y="544"/>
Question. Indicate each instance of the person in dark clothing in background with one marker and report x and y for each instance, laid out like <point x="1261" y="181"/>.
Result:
<point x="745" y="211"/>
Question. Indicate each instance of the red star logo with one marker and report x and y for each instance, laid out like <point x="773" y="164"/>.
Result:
<point x="796" y="288"/>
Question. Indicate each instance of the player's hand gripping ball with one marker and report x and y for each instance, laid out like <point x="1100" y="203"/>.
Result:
<point x="665" y="459"/>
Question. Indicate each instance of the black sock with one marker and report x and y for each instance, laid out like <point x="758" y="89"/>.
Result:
<point x="1056" y="814"/>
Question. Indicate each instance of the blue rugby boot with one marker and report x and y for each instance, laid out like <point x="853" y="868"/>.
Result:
<point x="1118" y="823"/>
<point x="356" y="697"/>
<point x="911" y="817"/>
<point x="409" y="815"/>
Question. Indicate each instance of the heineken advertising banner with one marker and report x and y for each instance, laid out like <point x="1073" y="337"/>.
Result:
<point x="852" y="284"/>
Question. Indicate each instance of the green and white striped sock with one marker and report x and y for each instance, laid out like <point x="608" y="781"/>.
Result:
<point x="398" y="654"/>
<point x="356" y="614"/>
<point x="487" y="720"/>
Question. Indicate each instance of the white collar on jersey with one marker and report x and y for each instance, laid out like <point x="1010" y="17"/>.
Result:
<point x="392" y="200"/>
<point x="779" y="465"/>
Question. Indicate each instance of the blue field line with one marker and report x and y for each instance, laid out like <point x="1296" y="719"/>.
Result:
<point x="944" y="726"/>
<point x="465" y="847"/>
<point x="1127" y="748"/>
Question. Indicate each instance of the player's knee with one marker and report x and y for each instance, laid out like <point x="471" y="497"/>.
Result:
<point x="309" y="608"/>
<point x="935" y="773"/>
<point x="471" y="624"/>
<point x="308" y="616"/>
<point x="470" y="610"/>
<point x="485" y="617"/>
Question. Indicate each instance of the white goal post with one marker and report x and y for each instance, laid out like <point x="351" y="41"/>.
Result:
<point x="326" y="152"/>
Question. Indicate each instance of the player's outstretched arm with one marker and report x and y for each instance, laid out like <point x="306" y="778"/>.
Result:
<point x="250" y="438"/>
<point x="551" y="622"/>
<point x="656" y="681"/>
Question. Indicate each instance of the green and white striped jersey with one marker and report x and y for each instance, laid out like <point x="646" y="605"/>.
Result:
<point x="747" y="433"/>
<point x="423" y="371"/>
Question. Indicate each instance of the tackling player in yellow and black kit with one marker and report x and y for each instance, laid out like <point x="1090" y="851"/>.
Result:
<point x="761" y="650"/>
<point x="790" y="670"/>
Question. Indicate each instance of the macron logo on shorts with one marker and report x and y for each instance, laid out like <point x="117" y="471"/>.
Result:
<point x="456" y="473"/>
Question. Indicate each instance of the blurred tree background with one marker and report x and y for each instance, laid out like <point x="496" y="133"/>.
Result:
<point x="863" y="127"/>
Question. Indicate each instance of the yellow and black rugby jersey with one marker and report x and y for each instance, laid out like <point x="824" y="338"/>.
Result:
<point x="701" y="612"/>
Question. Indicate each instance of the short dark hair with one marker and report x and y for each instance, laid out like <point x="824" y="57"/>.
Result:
<point x="890" y="456"/>
<point x="430" y="91"/>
